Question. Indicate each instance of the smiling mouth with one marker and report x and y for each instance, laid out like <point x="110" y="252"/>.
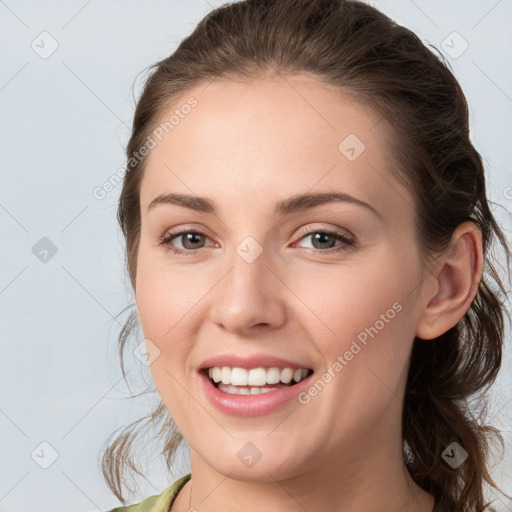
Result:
<point x="243" y="387"/>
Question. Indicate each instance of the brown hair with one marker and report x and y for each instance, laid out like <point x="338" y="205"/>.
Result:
<point x="361" y="51"/>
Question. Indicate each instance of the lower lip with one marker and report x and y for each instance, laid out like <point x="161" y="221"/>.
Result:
<point x="251" y="405"/>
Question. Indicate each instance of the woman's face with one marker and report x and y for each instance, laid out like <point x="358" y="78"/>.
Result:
<point x="257" y="280"/>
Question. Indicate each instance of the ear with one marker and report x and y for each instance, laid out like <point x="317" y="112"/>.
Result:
<point x="454" y="282"/>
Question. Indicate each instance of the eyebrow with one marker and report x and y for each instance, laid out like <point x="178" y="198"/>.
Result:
<point x="293" y="204"/>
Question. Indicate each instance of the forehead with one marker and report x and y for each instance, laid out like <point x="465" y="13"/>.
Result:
<point x="282" y="135"/>
<point x="297" y="108"/>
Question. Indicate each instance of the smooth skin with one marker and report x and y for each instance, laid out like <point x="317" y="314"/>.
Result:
<point x="246" y="146"/>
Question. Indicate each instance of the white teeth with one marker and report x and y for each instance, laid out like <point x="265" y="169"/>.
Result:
<point x="233" y="390"/>
<point x="226" y="375"/>
<point x="238" y="377"/>
<point x="286" y="375"/>
<point x="273" y="375"/>
<point x="255" y="377"/>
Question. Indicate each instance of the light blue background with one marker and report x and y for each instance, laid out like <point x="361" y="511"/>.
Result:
<point x="64" y="123"/>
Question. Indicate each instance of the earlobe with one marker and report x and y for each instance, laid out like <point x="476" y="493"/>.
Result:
<point x="456" y="277"/>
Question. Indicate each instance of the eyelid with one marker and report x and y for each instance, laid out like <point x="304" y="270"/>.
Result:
<point x="182" y="229"/>
<point x="308" y="230"/>
<point x="305" y="230"/>
<point x="170" y="235"/>
<point x="346" y="238"/>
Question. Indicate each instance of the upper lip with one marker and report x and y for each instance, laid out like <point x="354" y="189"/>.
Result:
<point x="247" y="362"/>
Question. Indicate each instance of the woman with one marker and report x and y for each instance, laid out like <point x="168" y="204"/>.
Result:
<point x="307" y="232"/>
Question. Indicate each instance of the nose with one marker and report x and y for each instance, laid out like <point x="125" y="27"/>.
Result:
<point x="249" y="297"/>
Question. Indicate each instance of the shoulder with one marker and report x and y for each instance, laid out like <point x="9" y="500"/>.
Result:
<point x="158" y="502"/>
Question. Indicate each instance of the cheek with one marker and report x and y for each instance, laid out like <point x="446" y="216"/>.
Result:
<point x="165" y="300"/>
<point x="363" y="314"/>
<point x="344" y="301"/>
<point x="170" y="303"/>
<point x="164" y="293"/>
<point x="159" y="309"/>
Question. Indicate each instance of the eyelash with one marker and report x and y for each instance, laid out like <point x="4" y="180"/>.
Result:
<point x="165" y="240"/>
